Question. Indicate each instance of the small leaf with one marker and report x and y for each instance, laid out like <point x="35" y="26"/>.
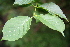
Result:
<point x="16" y="27"/>
<point x="53" y="9"/>
<point x="52" y="22"/>
<point x="21" y="2"/>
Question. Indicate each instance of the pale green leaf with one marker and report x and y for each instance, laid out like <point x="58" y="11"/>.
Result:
<point x="53" y="9"/>
<point x="16" y="28"/>
<point x="21" y="2"/>
<point x="52" y="22"/>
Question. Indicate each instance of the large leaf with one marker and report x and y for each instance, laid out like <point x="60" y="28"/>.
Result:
<point x="21" y="2"/>
<point x="16" y="27"/>
<point x="52" y="22"/>
<point x="53" y="9"/>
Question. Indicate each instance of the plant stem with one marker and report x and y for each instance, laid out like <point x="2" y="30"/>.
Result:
<point x="35" y="6"/>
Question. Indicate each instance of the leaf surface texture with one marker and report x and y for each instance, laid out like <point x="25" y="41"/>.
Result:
<point x="53" y="9"/>
<point x="52" y="22"/>
<point x="21" y="2"/>
<point x="16" y="27"/>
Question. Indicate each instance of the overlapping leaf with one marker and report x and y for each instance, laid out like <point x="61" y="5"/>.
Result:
<point x="16" y="27"/>
<point x="21" y="2"/>
<point x="53" y="9"/>
<point x="52" y="22"/>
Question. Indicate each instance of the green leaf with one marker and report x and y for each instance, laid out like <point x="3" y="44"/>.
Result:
<point x="21" y="2"/>
<point x="53" y="9"/>
<point x="16" y="28"/>
<point x="52" y="22"/>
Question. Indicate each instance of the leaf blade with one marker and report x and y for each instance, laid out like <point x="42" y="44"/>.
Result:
<point x="53" y="9"/>
<point x="15" y="28"/>
<point x="52" y="22"/>
<point x="21" y="2"/>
